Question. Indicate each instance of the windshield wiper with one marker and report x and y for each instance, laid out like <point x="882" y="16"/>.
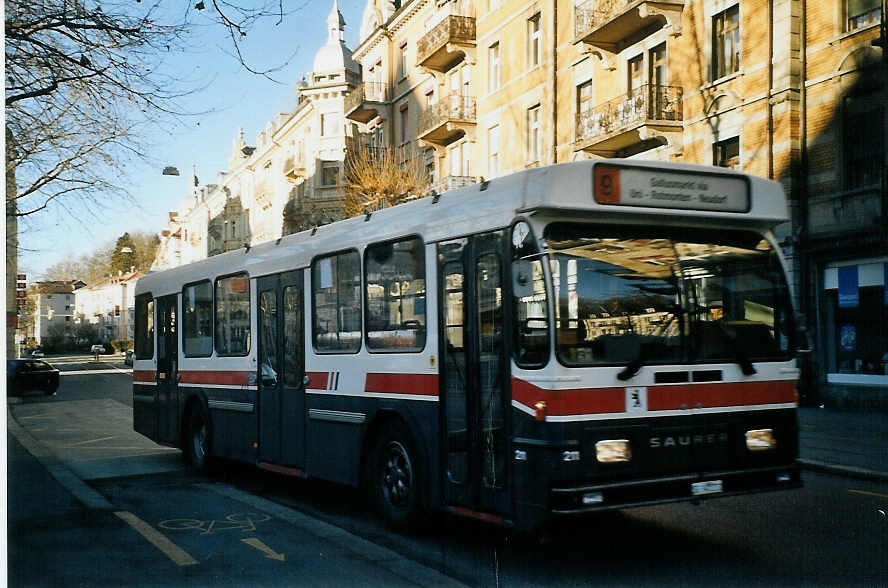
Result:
<point x="636" y="364"/>
<point x="740" y="356"/>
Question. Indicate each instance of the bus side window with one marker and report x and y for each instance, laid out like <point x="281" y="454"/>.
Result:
<point x="395" y="294"/>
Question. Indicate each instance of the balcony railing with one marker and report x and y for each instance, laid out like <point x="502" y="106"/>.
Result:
<point x="609" y="23"/>
<point x="452" y="183"/>
<point x="862" y="209"/>
<point x="433" y="50"/>
<point x="359" y="102"/>
<point x="446" y="120"/>
<point x="648" y="104"/>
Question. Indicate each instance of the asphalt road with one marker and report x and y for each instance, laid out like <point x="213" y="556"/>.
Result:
<point x="248" y="527"/>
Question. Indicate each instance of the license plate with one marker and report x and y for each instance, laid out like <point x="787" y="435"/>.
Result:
<point x="708" y="487"/>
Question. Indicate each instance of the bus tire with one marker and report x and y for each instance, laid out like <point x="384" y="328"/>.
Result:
<point x="395" y="478"/>
<point x="198" y="451"/>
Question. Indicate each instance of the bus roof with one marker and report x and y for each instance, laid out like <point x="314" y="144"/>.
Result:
<point x="648" y="190"/>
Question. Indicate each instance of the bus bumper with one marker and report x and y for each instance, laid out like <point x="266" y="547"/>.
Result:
<point x="570" y="500"/>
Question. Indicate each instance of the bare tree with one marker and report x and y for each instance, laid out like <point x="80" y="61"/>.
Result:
<point x="378" y="177"/>
<point x="84" y="81"/>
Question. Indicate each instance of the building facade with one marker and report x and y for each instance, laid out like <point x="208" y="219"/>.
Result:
<point x="110" y="306"/>
<point x="54" y="310"/>
<point x="784" y="89"/>
<point x="290" y="179"/>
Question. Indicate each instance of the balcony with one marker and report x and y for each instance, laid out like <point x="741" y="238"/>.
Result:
<point x="447" y="43"/>
<point x="452" y="183"/>
<point x="366" y="101"/>
<point x="850" y="212"/>
<point x="447" y="120"/>
<point x="614" y="24"/>
<point x="646" y="118"/>
<point x="294" y="168"/>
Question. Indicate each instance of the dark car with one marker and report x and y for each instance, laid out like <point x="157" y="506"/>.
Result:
<point x="26" y="374"/>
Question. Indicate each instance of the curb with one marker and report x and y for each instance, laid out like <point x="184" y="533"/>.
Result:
<point x="840" y="470"/>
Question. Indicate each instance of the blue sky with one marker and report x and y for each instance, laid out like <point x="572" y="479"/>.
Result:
<point x="235" y="97"/>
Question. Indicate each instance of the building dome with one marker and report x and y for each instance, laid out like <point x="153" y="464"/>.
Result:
<point x="335" y="55"/>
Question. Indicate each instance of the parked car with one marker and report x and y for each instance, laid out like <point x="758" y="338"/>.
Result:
<point x="37" y="353"/>
<point x="97" y="349"/>
<point x="128" y="358"/>
<point x="27" y="374"/>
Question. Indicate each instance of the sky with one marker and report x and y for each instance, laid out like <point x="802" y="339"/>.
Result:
<point x="236" y="98"/>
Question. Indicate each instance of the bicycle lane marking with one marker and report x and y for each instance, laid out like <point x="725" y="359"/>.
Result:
<point x="178" y="555"/>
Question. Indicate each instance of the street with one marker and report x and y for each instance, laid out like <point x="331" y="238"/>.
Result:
<point x="131" y="513"/>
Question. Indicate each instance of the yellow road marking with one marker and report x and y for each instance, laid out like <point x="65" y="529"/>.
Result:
<point x="865" y="493"/>
<point x="268" y="551"/>
<point x="179" y="556"/>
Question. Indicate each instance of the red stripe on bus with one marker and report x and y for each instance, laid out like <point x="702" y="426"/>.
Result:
<point x="317" y="380"/>
<point x="143" y="376"/>
<point x="725" y="394"/>
<point x="420" y="384"/>
<point x="219" y="378"/>
<point x="481" y="516"/>
<point x="612" y="400"/>
<point x="567" y="402"/>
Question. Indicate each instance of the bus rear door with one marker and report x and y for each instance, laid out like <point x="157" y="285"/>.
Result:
<point x="281" y="370"/>
<point x="474" y="375"/>
<point x="167" y="370"/>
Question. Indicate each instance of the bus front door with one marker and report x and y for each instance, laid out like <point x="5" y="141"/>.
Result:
<point x="474" y="375"/>
<point x="281" y="370"/>
<point x="167" y="370"/>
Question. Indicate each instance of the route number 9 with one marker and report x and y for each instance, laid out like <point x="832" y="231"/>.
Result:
<point x="607" y="185"/>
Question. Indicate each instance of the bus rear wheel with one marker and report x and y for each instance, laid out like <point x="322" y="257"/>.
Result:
<point x="197" y="439"/>
<point x="395" y="478"/>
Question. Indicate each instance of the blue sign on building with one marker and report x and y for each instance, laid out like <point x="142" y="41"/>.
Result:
<point x="849" y="296"/>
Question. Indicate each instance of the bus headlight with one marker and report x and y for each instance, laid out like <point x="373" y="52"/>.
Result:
<point x="613" y="451"/>
<point x="760" y="440"/>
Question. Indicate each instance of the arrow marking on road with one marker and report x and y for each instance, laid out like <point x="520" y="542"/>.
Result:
<point x="268" y="551"/>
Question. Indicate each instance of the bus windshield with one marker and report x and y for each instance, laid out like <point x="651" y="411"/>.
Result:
<point x="634" y="296"/>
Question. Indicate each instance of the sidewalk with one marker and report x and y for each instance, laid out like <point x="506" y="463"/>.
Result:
<point x="846" y="443"/>
<point x="64" y="532"/>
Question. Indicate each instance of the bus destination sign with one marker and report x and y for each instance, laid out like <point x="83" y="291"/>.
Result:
<point x="657" y="188"/>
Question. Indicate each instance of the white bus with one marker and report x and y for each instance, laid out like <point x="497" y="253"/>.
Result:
<point x="567" y="339"/>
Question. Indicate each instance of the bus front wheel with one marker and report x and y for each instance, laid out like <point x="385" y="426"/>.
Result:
<point x="197" y="441"/>
<point x="395" y="477"/>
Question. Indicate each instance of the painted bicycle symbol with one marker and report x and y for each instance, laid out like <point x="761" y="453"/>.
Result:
<point x="245" y="522"/>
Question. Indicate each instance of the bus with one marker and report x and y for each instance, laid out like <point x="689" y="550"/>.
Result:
<point x="568" y="339"/>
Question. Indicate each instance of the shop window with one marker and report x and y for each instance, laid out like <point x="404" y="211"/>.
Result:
<point x="197" y="320"/>
<point x="856" y="319"/>
<point x="336" y="308"/>
<point x="233" y="315"/>
<point x="395" y="294"/>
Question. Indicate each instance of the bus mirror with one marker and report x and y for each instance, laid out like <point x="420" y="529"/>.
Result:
<point x="522" y="278"/>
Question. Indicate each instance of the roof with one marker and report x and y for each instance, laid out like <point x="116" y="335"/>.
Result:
<point x="559" y="192"/>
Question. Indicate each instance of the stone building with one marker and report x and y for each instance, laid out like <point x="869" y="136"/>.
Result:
<point x="784" y="89"/>
<point x="110" y="306"/>
<point x="290" y="179"/>
<point x="54" y="309"/>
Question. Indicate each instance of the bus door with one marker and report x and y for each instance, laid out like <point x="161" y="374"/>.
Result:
<point x="167" y="370"/>
<point x="474" y="375"/>
<point x="281" y="370"/>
